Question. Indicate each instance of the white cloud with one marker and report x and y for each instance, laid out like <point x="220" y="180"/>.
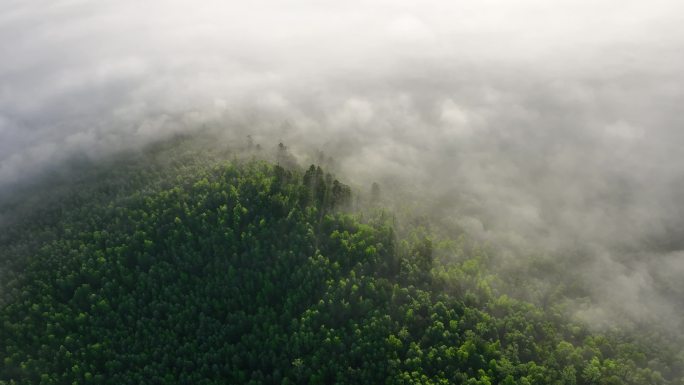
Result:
<point x="624" y="130"/>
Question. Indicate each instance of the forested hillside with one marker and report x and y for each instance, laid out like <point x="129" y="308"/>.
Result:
<point x="182" y="267"/>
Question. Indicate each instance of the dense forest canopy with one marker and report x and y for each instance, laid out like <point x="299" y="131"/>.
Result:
<point x="194" y="266"/>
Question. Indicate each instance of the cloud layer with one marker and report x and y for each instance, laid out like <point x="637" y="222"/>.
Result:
<point x="535" y="124"/>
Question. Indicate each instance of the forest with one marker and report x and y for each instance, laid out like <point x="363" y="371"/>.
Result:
<point x="180" y="265"/>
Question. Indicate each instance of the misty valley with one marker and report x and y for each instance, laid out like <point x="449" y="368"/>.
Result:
<point x="189" y="263"/>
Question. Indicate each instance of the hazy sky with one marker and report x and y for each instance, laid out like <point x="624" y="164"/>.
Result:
<point x="553" y="123"/>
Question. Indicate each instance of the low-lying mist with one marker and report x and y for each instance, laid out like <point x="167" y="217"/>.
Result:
<point x="540" y="127"/>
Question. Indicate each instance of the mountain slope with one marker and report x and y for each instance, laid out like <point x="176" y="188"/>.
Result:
<point x="181" y="267"/>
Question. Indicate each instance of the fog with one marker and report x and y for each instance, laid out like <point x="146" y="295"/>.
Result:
<point x="540" y="126"/>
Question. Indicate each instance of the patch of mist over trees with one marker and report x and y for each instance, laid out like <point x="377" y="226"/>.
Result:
<point x="576" y="268"/>
<point x="189" y="263"/>
<point x="569" y="142"/>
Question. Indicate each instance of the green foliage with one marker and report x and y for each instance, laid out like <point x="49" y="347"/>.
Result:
<point x="200" y="271"/>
